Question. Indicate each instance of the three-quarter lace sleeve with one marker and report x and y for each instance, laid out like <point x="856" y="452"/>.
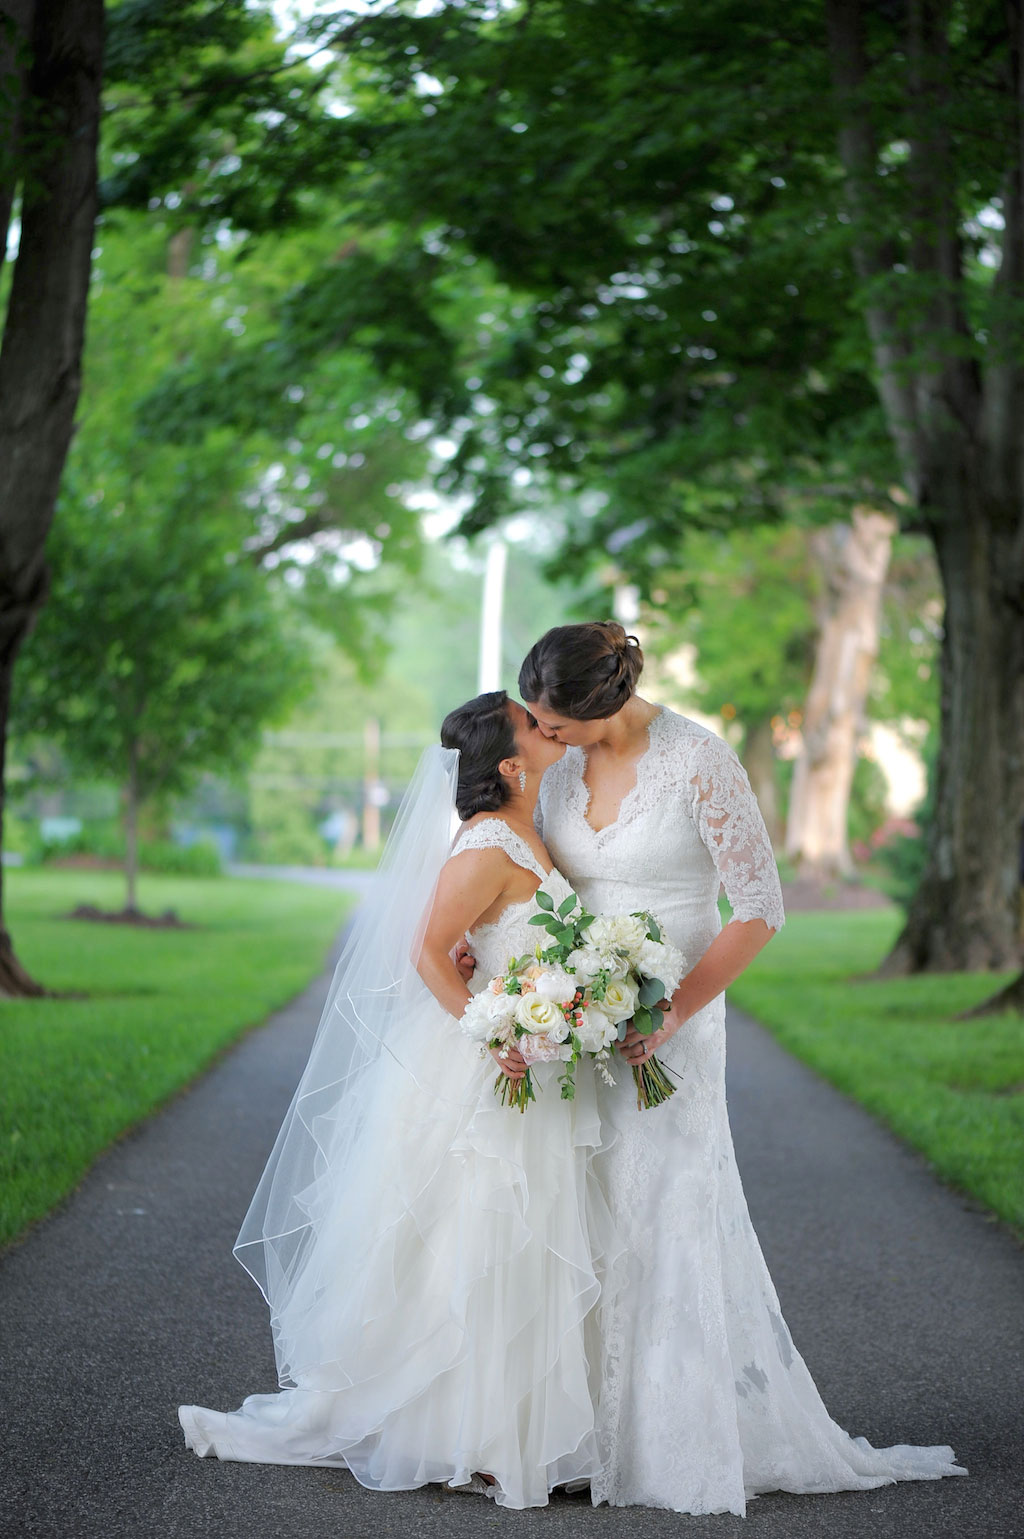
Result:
<point x="730" y="824"/>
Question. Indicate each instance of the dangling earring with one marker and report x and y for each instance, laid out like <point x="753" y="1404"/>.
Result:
<point x="522" y="780"/>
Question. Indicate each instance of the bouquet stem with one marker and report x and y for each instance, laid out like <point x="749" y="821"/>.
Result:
<point x="515" y="1092"/>
<point x="653" y="1085"/>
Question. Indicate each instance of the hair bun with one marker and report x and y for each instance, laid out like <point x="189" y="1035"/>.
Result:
<point x="583" y="671"/>
<point x="483" y="733"/>
<point x="617" y="637"/>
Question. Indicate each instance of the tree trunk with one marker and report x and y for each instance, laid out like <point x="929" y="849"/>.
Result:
<point x="964" y="915"/>
<point x="14" y="980"/>
<point x="1010" y="998"/>
<point x="131" y="831"/>
<point x="956" y="427"/>
<point x="15" y="50"/>
<point x="759" y="763"/>
<point x="854" y="559"/>
<point x="44" y="329"/>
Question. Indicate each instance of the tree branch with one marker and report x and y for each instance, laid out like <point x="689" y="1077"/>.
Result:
<point x="1003" y="381"/>
<point x="948" y="382"/>
<point x="303" y="529"/>
<point x="872" y="253"/>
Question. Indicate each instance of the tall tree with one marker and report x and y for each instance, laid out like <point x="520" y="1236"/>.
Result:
<point x="853" y="559"/>
<point x="950" y="374"/>
<point x="161" y="652"/>
<point x="199" y="99"/>
<point x="748" y="251"/>
<point x="50" y="65"/>
<point x="785" y="623"/>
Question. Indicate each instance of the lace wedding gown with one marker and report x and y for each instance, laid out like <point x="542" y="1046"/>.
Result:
<point x="445" y="1323"/>
<point x="704" y="1400"/>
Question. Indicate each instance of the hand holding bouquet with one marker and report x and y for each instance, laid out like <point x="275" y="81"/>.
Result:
<point x="575" y="996"/>
<point x="630" y="968"/>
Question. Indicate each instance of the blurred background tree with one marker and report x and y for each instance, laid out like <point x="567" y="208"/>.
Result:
<point x="161" y="651"/>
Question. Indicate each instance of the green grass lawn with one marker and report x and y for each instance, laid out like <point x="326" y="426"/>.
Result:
<point x="159" y="1005"/>
<point x="953" y="1089"/>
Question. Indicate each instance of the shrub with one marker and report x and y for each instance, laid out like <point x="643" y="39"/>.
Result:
<point x="105" y="843"/>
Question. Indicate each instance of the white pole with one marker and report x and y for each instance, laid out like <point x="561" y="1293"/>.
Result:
<point x="489" y="676"/>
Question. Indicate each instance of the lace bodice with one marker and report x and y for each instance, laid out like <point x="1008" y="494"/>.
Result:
<point x="689" y="824"/>
<point x="511" y="933"/>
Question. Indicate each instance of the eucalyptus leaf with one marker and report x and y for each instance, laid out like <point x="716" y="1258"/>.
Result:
<point x="651" y="991"/>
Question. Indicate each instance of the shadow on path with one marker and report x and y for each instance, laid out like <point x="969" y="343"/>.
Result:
<point x="907" y="1304"/>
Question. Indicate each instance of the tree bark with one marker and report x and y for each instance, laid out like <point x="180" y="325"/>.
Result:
<point x="854" y="559"/>
<point x="1010" y="998"/>
<point x="131" y="830"/>
<point x="15" y="982"/>
<point x="964" y="915"/>
<point x="15" y="54"/>
<point x="44" y="329"/>
<point x="759" y="763"/>
<point x="956" y="426"/>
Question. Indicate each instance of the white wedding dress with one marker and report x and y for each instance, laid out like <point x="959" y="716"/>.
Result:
<point x="444" y="1323"/>
<point x="703" y="1399"/>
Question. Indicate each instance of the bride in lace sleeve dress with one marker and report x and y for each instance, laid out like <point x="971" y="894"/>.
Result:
<point x="432" y="1259"/>
<point x="704" y="1399"/>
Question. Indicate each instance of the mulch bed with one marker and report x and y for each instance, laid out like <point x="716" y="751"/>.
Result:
<point x="133" y="916"/>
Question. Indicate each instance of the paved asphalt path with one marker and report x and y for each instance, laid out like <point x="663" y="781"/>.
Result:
<point x="906" y="1302"/>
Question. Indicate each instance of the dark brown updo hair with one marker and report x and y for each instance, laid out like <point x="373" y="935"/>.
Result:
<point x="582" y="671"/>
<point x="483" y="733"/>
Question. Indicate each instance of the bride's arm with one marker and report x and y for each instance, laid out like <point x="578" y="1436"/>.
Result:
<point x="466" y="889"/>
<point x="729" y="822"/>
<point x="731" y="951"/>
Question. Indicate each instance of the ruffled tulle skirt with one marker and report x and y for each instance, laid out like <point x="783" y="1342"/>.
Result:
<point x="446" y="1320"/>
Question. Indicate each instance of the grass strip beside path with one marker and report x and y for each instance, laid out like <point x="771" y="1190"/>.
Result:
<point x="160" y="1005"/>
<point x="953" y="1089"/>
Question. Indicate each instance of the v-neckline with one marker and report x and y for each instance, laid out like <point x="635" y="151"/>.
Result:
<point x="587" y="797"/>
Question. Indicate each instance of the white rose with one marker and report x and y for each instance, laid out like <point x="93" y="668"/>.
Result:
<point x="556" y="985"/>
<point x="540" y="1016"/>
<point x="619" y="1001"/>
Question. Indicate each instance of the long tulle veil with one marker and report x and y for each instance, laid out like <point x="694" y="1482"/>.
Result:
<point x="375" y="992"/>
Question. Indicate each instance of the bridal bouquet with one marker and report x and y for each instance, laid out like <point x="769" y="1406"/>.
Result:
<point x="576" y="996"/>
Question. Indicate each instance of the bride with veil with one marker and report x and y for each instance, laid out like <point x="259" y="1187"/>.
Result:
<point x="433" y="1261"/>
